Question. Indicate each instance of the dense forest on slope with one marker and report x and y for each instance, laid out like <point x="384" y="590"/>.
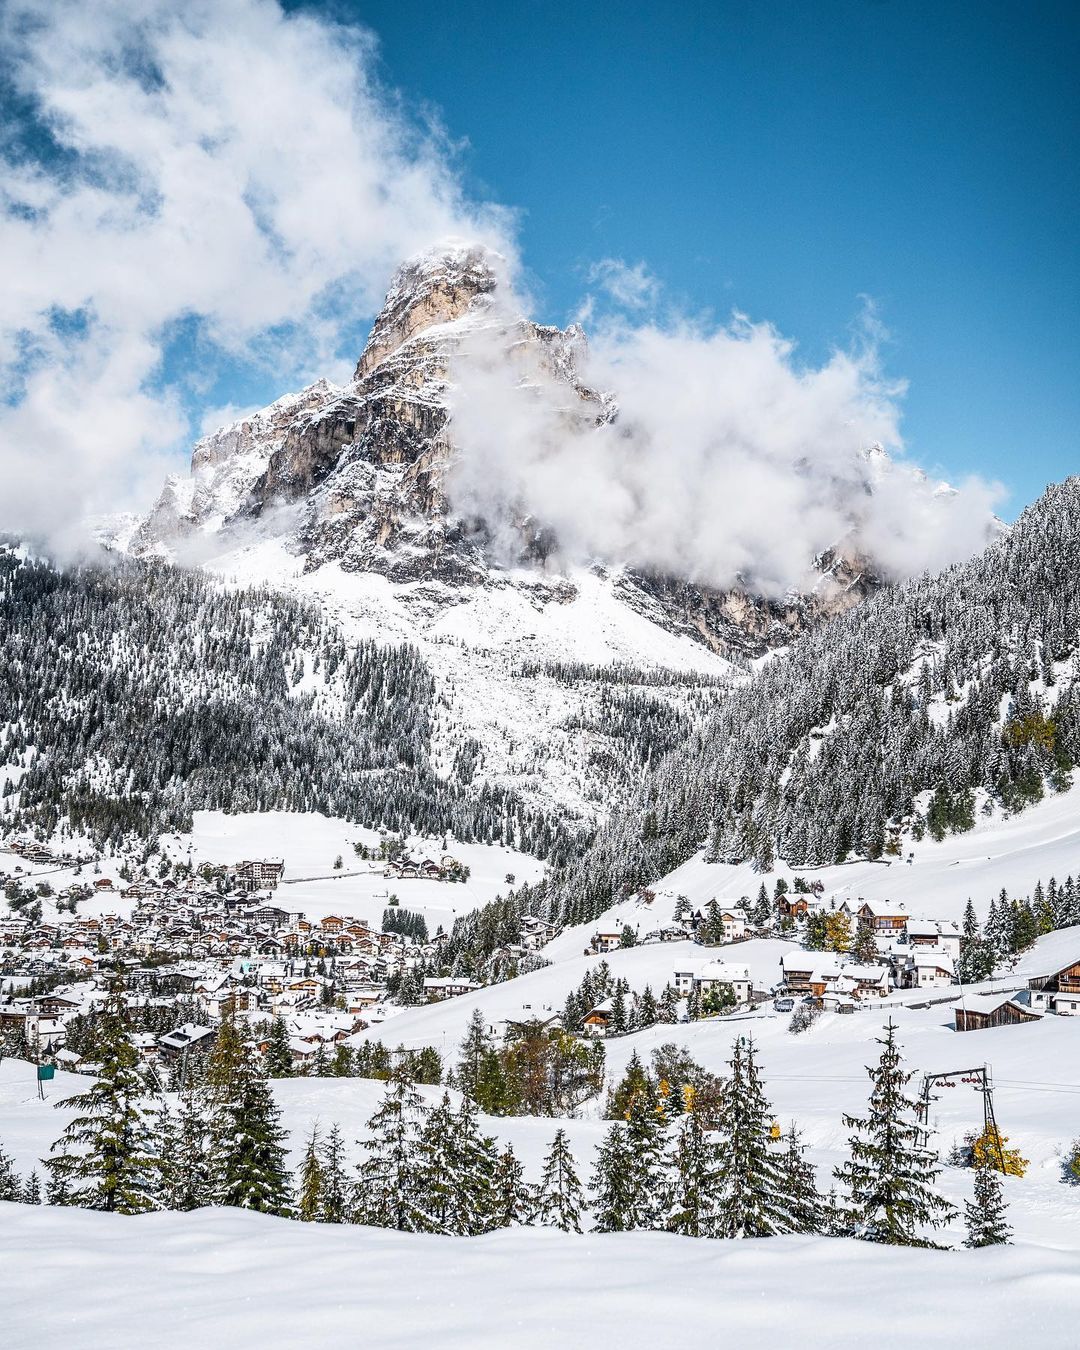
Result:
<point x="134" y="693"/>
<point x="930" y="702"/>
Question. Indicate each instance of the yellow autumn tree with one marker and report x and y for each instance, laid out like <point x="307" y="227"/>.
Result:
<point x="838" y="932"/>
<point x="989" y="1151"/>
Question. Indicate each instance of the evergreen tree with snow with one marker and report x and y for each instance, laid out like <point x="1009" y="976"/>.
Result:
<point x="310" y="1182"/>
<point x="614" y="1183"/>
<point x="10" y="1185"/>
<point x="106" y="1157"/>
<point x="750" y="1178"/>
<point x="693" y="1189"/>
<point x="191" y="1170"/>
<point x="335" y="1183"/>
<point x="559" y="1197"/>
<point x="645" y="1139"/>
<point x="762" y="912"/>
<point x="32" y="1190"/>
<point x="888" y="1179"/>
<point x="279" y="1061"/>
<point x="474" y="1049"/>
<point x="984" y="1214"/>
<point x="474" y="1201"/>
<point x="166" y="1150"/>
<point x="806" y="1211"/>
<point x="388" y="1193"/>
<point x="246" y="1144"/>
<point x="512" y="1197"/>
<point x="438" y="1167"/>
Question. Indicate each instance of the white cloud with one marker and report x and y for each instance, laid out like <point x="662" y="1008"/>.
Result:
<point x="219" y="163"/>
<point x="633" y="287"/>
<point x="728" y="462"/>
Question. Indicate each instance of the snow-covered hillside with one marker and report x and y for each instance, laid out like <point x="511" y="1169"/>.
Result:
<point x="227" y="1280"/>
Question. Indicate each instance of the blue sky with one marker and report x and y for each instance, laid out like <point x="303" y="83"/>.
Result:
<point x="787" y="159"/>
<point x="201" y="206"/>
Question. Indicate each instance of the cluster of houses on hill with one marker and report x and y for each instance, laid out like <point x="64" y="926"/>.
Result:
<point x="447" y="868"/>
<point x="216" y="943"/>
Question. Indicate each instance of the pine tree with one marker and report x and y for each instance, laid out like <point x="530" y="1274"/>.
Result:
<point x="32" y="1190"/>
<point x="559" y="1197"/>
<point x="279" y="1061"/>
<point x="10" y="1185"/>
<point x="310" y="1182"/>
<point x="614" y="1182"/>
<point x="984" y="1214"/>
<point x="246" y="1142"/>
<point x="888" y="1180"/>
<point x="438" y="1167"/>
<point x="166" y="1150"/>
<point x="473" y="1204"/>
<point x="693" y="1189"/>
<point x="191" y="1174"/>
<point x="805" y="1208"/>
<point x="388" y="1194"/>
<point x="512" y="1197"/>
<point x="751" y="1200"/>
<point x="474" y="1048"/>
<point x="645" y="1140"/>
<point x="107" y="1159"/>
<point x="335" y="1186"/>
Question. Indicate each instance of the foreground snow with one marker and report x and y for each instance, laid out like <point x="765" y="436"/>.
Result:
<point x="218" y="1278"/>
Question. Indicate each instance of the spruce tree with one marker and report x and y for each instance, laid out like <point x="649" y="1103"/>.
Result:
<point x="246" y="1142"/>
<point x="614" y="1183"/>
<point x="559" y="1197"/>
<point x="388" y="1194"/>
<point x="106" y="1159"/>
<point x="32" y="1190"/>
<point x="751" y="1199"/>
<point x="984" y="1214"/>
<point x="335" y="1185"/>
<point x="473" y="1202"/>
<point x="645" y="1140"/>
<point x="191" y="1173"/>
<point x="10" y="1185"/>
<point x="693" y="1188"/>
<point x="805" y="1208"/>
<point x="279" y="1061"/>
<point x="888" y="1180"/>
<point x="512" y="1197"/>
<point x="310" y="1183"/>
<point x="438" y="1167"/>
<point x="474" y="1048"/>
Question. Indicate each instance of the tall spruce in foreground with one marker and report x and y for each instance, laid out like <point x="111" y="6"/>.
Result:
<point x="805" y="1208"/>
<point x="473" y="1205"/>
<point x="559" y="1198"/>
<point x="693" y="1188"/>
<point x="750" y="1178"/>
<point x="191" y="1170"/>
<point x="512" y="1196"/>
<point x="10" y="1185"/>
<point x="106" y="1157"/>
<point x="984" y="1214"/>
<point x="246" y="1141"/>
<point x="888" y="1180"/>
<point x="309" y="1207"/>
<point x="335" y="1185"/>
<point x="614" y="1183"/>
<point x="438" y="1168"/>
<point x="388" y="1194"/>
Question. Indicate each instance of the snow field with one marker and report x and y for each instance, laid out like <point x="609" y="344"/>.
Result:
<point x="224" y="1278"/>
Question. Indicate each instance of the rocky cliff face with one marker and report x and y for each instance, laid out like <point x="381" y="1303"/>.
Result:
<point x="356" y="476"/>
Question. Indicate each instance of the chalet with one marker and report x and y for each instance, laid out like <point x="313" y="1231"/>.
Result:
<point x="270" y="915"/>
<point x="596" y="1022"/>
<point x="886" y="917"/>
<point x="451" y="986"/>
<point x="332" y="923"/>
<point x="1059" y="991"/>
<point x="605" y="942"/>
<point x="927" y="970"/>
<point x="977" y="1012"/>
<point x="792" y="906"/>
<point x="797" y="967"/>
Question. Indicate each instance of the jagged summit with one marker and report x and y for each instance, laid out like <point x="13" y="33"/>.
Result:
<point x="438" y="286"/>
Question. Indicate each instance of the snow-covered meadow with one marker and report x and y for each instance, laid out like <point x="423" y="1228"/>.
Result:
<point x="229" y="1280"/>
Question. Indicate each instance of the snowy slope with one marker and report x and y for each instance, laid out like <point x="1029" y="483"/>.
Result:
<point x="1039" y="843"/>
<point x="228" y="1279"/>
<point x="475" y="639"/>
